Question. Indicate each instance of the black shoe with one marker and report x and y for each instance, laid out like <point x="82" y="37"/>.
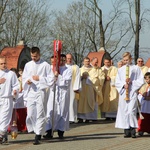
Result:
<point x="4" y="139"/>
<point x="140" y="133"/>
<point x="36" y="141"/>
<point x="127" y="136"/>
<point x="48" y="135"/>
<point x="1" y="139"/>
<point x="108" y="119"/>
<point x="94" y="120"/>
<point x="87" y="121"/>
<point x="113" y="119"/>
<point x="133" y="136"/>
<point x="39" y="137"/>
<point x="80" y="120"/>
<point x="133" y="132"/>
<point x="127" y="133"/>
<point x="61" y="134"/>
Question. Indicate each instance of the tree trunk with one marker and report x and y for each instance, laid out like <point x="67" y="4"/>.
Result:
<point x="102" y="34"/>
<point x="137" y="33"/>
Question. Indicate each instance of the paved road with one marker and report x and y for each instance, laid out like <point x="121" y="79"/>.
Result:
<point x="100" y="135"/>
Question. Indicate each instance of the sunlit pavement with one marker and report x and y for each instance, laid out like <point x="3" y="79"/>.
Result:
<point x="100" y="135"/>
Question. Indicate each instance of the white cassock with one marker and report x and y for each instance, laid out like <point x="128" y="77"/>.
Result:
<point x="6" y="98"/>
<point x="62" y="99"/>
<point x="74" y="86"/>
<point x="35" y="97"/>
<point x="126" y="115"/>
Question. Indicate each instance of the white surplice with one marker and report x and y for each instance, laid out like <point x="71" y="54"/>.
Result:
<point x="145" y="104"/>
<point x="6" y="98"/>
<point x="62" y="99"/>
<point x="74" y="86"/>
<point x="35" y="97"/>
<point x="126" y="115"/>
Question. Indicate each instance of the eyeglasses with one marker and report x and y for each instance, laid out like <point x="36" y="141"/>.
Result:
<point x="140" y="61"/>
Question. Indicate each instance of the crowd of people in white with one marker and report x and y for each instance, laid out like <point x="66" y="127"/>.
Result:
<point x="48" y="100"/>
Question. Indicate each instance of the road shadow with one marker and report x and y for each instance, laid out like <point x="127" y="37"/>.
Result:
<point x="70" y="138"/>
<point x="74" y="125"/>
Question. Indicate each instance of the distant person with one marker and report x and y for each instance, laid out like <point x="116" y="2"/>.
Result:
<point x="86" y="102"/>
<point x="9" y="87"/>
<point x="140" y="64"/>
<point x="144" y="98"/>
<point x="58" y="118"/>
<point x="110" y="103"/>
<point x="75" y="87"/>
<point x="120" y="64"/>
<point x="35" y="97"/>
<point x="97" y="77"/>
<point x="128" y="80"/>
<point x="19" y="106"/>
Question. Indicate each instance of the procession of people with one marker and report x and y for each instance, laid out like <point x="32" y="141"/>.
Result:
<point x="50" y="97"/>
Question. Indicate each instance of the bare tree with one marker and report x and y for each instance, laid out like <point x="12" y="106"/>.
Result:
<point x="3" y="5"/>
<point x="3" y="11"/>
<point x="113" y="30"/>
<point x="136" y="25"/>
<point x="72" y="30"/>
<point x="28" y="20"/>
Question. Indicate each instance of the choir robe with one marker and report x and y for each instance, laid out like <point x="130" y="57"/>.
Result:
<point x="74" y="86"/>
<point x="145" y="108"/>
<point x="35" y="97"/>
<point x="87" y="106"/>
<point x="97" y="76"/>
<point x="144" y="69"/>
<point x="110" y="104"/>
<point x="6" y="98"/>
<point x="127" y="109"/>
<point x="60" y="119"/>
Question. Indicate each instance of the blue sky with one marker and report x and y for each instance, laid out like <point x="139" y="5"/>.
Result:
<point x="61" y="4"/>
<point x="145" y="34"/>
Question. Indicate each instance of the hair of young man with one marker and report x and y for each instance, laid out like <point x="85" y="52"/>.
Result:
<point x="35" y="50"/>
<point x="87" y="58"/>
<point x="147" y="74"/>
<point x="52" y="56"/>
<point x="2" y="57"/>
<point x="20" y="69"/>
<point x="63" y="55"/>
<point x="127" y="54"/>
<point x="109" y="59"/>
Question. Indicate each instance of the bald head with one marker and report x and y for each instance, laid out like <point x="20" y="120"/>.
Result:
<point x="69" y="59"/>
<point x="94" y="62"/>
